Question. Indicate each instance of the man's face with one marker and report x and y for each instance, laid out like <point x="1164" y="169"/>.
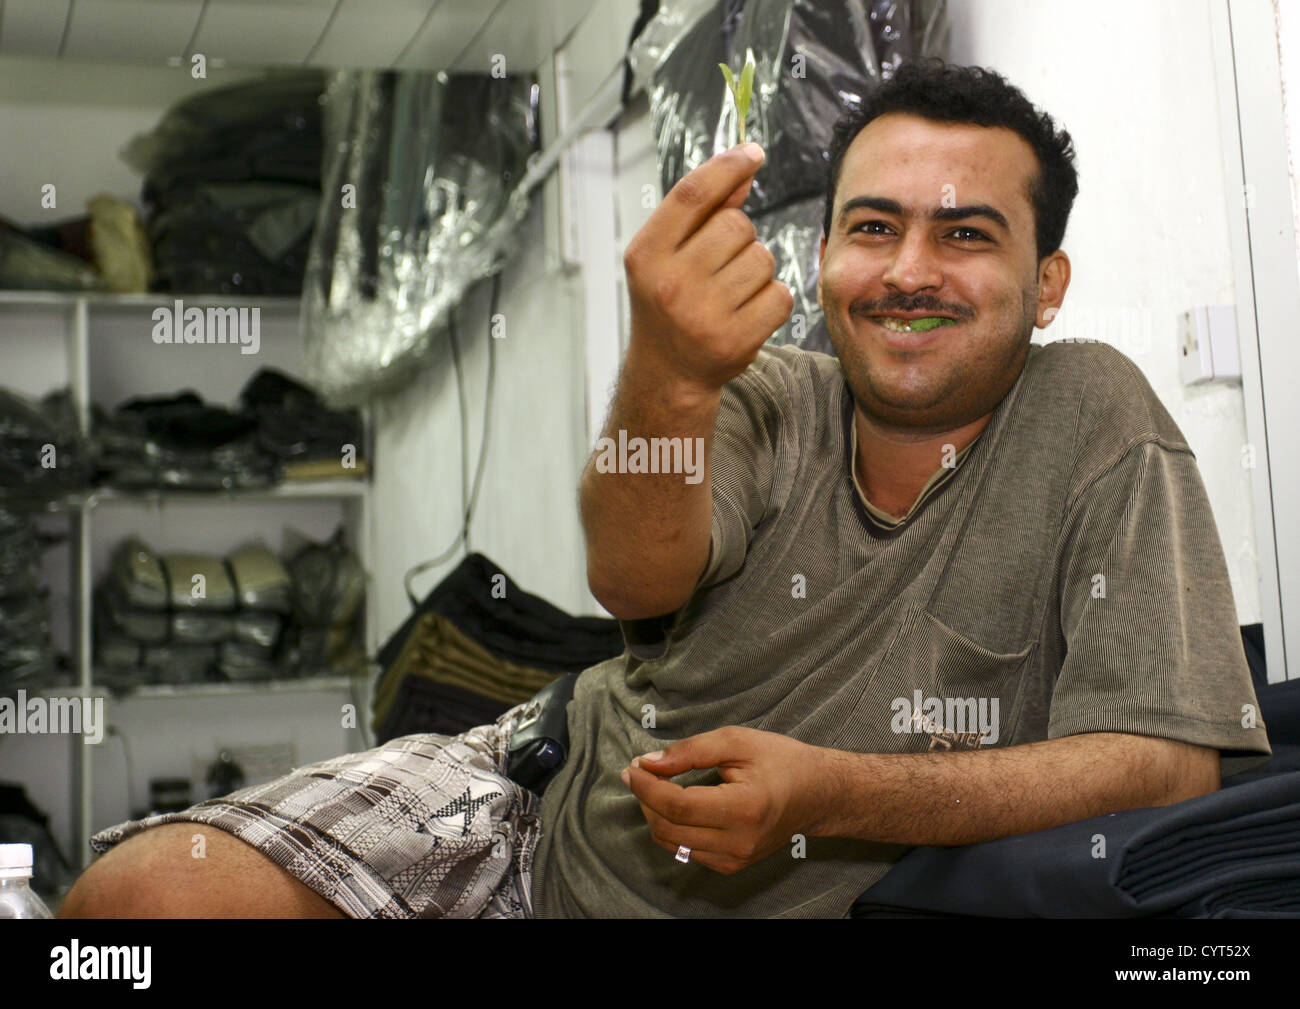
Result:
<point x="948" y="231"/>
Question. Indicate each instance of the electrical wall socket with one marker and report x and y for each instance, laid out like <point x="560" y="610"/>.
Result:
<point x="1207" y="345"/>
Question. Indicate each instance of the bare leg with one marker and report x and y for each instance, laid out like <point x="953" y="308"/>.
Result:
<point x="154" y="875"/>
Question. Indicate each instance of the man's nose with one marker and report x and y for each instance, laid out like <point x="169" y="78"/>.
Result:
<point x="913" y="265"/>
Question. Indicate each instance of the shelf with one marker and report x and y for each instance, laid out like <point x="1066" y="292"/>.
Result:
<point x="306" y="490"/>
<point x="125" y="302"/>
<point x="305" y="684"/>
<point x="300" y="685"/>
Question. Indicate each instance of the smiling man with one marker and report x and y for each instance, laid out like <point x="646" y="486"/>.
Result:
<point x="942" y="588"/>
<point x="942" y="521"/>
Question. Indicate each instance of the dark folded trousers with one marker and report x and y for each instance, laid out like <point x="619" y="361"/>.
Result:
<point x="515" y="625"/>
<point x="1233" y="853"/>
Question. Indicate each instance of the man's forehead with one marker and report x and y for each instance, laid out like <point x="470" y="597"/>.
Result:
<point x="916" y="157"/>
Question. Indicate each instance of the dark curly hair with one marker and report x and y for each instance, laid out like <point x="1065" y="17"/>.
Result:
<point x="948" y="93"/>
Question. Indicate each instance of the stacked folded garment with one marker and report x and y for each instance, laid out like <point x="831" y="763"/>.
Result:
<point x="1279" y="703"/>
<point x="42" y="452"/>
<point x="329" y="593"/>
<point x="281" y="431"/>
<point x="186" y="617"/>
<point x="26" y="654"/>
<point x="1232" y="853"/>
<point x="232" y="181"/>
<point x="180" y="442"/>
<point x="475" y="647"/>
<point x="294" y="426"/>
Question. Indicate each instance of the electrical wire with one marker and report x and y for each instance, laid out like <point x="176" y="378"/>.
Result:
<point x="464" y="417"/>
<point x="467" y="510"/>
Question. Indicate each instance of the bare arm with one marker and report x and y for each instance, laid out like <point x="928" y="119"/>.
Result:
<point x="703" y="301"/>
<point x="776" y="787"/>
<point x="967" y="796"/>
<point x="648" y="533"/>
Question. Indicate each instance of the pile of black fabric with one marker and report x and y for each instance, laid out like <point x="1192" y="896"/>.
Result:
<point x="1234" y="853"/>
<point x="189" y="617"/>
<point x="26" y="654"/>
<point x="476" y="646"/>
<point x="180" y="441"/>
<point x="296" y="428"/>
<point x="232" y="182"/>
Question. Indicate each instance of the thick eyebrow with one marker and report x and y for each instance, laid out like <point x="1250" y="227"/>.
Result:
<point x="888" y="206"/>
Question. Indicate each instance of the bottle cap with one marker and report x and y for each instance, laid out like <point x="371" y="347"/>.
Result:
<point x="15" y="860"/>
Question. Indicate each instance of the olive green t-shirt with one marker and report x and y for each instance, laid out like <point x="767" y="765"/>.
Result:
<point x="1066" y="577"/>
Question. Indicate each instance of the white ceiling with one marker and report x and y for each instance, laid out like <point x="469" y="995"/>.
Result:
<point x="407" y="34"/>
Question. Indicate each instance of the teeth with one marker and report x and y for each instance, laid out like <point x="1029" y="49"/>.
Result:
<point x="903" y="326"/>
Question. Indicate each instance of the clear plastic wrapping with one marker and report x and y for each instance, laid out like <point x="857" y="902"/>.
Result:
<point x="814" y="60"/>
<point x="421" y="200"/>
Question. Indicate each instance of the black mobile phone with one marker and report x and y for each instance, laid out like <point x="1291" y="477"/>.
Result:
<point x="540" y="743"/>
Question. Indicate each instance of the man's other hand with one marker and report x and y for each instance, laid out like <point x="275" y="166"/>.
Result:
<point x="772" y="789"/>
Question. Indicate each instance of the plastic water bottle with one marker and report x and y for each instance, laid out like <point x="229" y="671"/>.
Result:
<point x="17" y="898"/>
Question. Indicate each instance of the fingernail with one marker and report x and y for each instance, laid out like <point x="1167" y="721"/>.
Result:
<point x="627" y="778"/>
<point x="657" y="755"/>
<point x="636" y="761"/>
<point x="753" y="152"/>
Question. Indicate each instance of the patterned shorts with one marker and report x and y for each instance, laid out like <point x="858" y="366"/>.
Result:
<point x="425" y="826"/>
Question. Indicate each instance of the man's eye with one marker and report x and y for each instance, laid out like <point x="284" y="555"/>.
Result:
<point x="971" y="235"/>
<point x="869" y="227"/>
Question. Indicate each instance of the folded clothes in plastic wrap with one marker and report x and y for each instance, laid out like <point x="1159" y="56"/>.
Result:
<point x="293" y="423"/>
<point x="261" y="581"/>
<point x="201" y="628"/>
<point x="329" y="589"/>
<point x="1235" y="852"/>
<point x="42" y="451"/>
<point x="27" y="656"/>
<point x="238" y="660"/>
<point x="198" y="581"/>
<point x="179" y="663"/>
<point x="141" y="625"/>
<point x="259" y="628"/>
<point x="180" y="441"/>
<point x="136" y="574"/>
<point x="232" y="180"/>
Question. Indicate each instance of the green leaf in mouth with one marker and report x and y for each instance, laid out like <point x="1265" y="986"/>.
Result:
<point x="930" y="322"/>
<point x="742" y="90"/>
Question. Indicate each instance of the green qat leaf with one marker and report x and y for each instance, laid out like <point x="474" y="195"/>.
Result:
<point x="746" y="90"/>
<point x="929" y="322"/>
<point x="741" y="91"/>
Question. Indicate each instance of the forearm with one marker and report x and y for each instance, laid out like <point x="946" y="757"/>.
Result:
<point x="967" y="796"/>
<point x="647" y="534"/>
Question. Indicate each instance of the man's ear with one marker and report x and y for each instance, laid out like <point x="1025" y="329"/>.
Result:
<point x="1053" y="279"/>
<point x="821" y="258"/>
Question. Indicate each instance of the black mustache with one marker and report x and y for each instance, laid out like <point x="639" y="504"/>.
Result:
<point x="869" y="308"/>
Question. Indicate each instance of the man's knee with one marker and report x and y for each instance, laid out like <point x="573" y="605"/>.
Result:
<point x="168" y="872"/>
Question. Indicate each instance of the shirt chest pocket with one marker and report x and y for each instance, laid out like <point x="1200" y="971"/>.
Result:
<point x="936" y="689"/>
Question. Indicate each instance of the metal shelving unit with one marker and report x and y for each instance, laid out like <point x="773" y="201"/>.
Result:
<point x="81" y="311"/>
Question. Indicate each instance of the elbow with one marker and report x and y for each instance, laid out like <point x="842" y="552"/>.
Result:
<point x="628" y="601"/>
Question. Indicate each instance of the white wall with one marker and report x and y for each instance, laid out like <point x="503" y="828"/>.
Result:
<point x="1148" y="238"/>
<point x="526" y="520"/>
